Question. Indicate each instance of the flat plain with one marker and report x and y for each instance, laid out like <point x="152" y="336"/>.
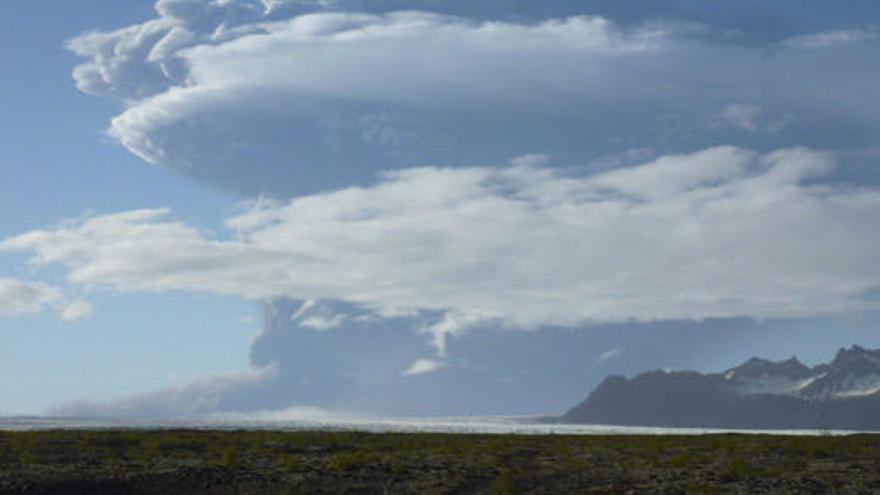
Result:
<point x="268" y="462"/>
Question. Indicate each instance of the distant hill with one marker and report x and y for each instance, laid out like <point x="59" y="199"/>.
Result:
<point x="843" y="394"/>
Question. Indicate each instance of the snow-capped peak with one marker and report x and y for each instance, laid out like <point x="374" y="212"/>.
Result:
<point x="854" y="372"/>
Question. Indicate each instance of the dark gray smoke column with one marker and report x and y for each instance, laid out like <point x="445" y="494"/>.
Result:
<point x="336" y="355"/>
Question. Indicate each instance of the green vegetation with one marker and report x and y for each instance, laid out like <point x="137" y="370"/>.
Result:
<point x="504" y="484"/>
<point x="230" y="455"/>
<point x="176" y="461"/>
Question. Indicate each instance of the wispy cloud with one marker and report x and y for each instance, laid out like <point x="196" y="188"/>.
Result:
<point x="18" y="297"/>
<point x="423" y="366"/>
<point x="608" y="355"/>
<point x="741" y="115"/>
<point x="319" y="317"/>
<point x="835" y="38"/>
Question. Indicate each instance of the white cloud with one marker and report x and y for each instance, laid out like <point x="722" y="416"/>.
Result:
<point x="718" y="233"/>
<point x="455" y="322"/>
<point x="840" y="37"/>
<point x="477" y="59"/>
<point x="423" y="366"/>
<point x="76" y="311"/>
<point x="673" y="175"/>
<point x="314" y="315"/>
<point x="321" y="323"/>
<point x="19" y="297"/>
<point x="607" y="355"/>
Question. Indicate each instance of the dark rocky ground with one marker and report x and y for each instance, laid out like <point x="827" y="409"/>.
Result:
<point x="264" y="462"/>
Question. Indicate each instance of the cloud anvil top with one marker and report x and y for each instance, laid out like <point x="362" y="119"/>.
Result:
<point x="258" y="102"/>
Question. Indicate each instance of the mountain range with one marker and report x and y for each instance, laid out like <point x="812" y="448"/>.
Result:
<point x="842" y="394"/>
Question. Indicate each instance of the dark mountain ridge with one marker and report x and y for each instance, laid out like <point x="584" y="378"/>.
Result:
<point x="759" y="394"/>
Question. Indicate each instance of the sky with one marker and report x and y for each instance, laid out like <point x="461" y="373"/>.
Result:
<point x="426" y="207"/>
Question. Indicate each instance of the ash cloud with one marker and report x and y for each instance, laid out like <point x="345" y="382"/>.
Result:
<point x="360" y="368"/>
<point x="292" y="97"/>
<point x="378" y="119"/>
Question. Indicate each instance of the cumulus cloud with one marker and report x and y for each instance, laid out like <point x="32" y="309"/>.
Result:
<point x="260" y="97"/>
<point x="717" y="233"/>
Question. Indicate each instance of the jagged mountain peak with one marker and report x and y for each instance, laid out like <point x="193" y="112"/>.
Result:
<point x="790" y="368"/>
<point x="856" y="355"/>
<point x="854" y="372"/>
<point x="758" y="393"/>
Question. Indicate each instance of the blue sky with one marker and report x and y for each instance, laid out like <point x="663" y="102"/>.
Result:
<point x="58" y="164"/>
<point x="430" y="207"/>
